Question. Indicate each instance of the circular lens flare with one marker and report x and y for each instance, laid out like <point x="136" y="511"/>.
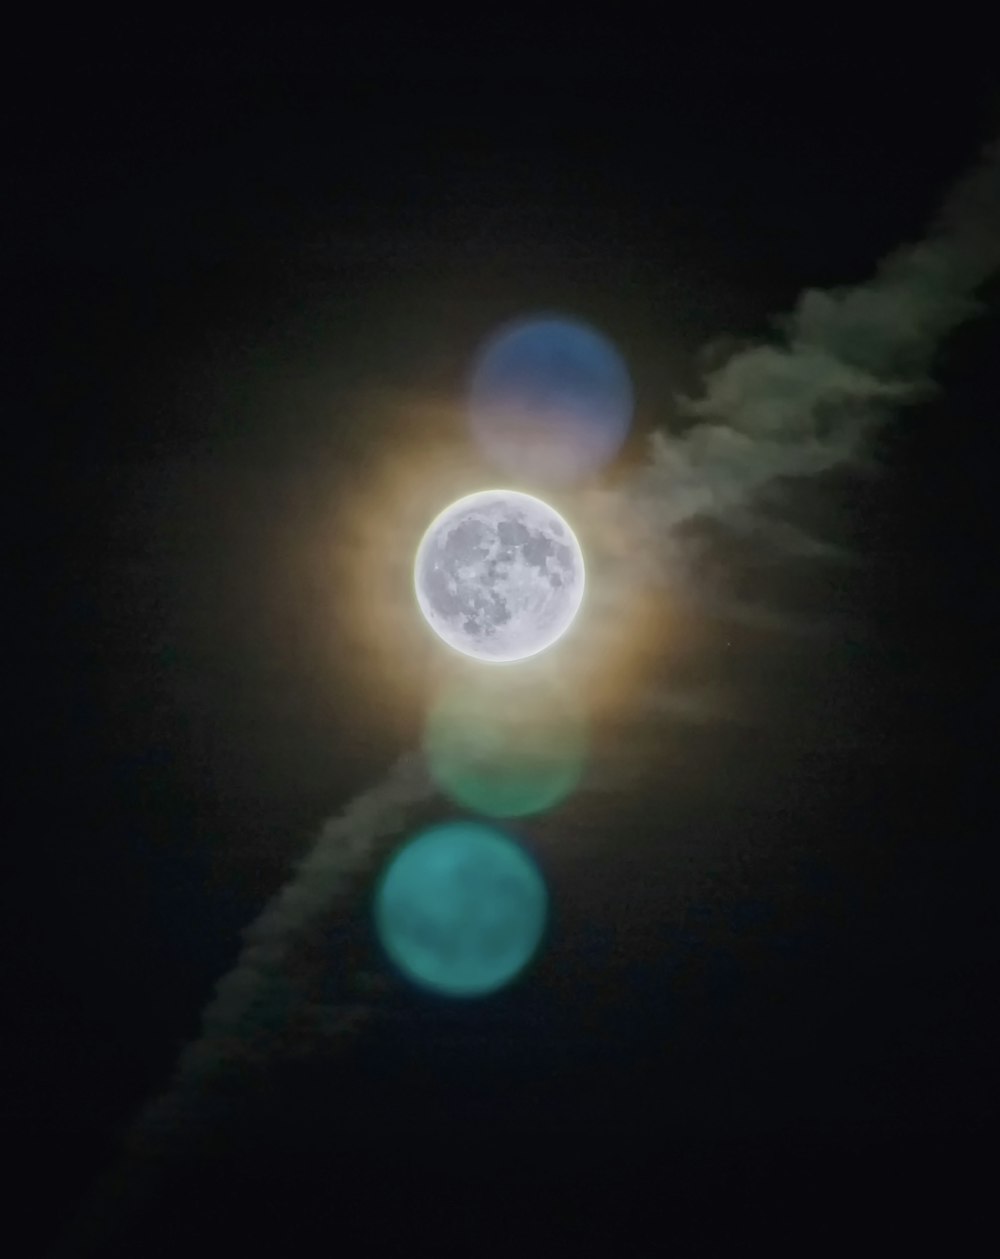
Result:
<point x="505" y="745"/>
<point x="550" y="399"/>
<point x="461" y="909"/>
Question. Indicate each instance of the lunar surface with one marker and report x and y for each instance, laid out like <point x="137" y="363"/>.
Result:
<point x="499" y="575"/>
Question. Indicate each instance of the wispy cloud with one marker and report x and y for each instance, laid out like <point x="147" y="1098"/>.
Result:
<point x="343" y="851"/>
<point x="807" y="400"/>
<point x="235" y="1022"/>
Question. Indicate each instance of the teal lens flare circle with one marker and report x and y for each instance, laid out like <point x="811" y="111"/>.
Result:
<point x="461" y="909"/>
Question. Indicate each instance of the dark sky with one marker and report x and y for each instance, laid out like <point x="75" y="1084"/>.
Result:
<point x="240" y="271"/>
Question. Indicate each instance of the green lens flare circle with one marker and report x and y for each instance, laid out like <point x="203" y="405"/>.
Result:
<point x="505" y="746"/>
<point x="461" y="909"/>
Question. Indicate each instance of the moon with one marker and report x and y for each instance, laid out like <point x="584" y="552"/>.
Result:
<point x="461" y="909"/>
<point x="499" y="575"/>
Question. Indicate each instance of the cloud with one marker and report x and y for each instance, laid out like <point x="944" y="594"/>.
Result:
<point x="236" y="1021"/>
<point x="840" y="363"/>
<point x="697" y="707"/>
<point x="343" y="851"/>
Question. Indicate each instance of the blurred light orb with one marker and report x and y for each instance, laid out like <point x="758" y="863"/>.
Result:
<point x="461" y="909"/>
<point x="505" y="745"/>
<point x="550" y="399"/>
<point x="499" y="576"/>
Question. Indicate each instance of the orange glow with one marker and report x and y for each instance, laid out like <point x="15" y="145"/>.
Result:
<point x="362" y="566"/>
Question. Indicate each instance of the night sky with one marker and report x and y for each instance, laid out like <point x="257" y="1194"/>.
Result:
<point x="246" y="274"/>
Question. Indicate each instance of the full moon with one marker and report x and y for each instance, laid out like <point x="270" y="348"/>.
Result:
<point x="499" y="576"/>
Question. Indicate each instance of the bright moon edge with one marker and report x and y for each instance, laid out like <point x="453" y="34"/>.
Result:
<point x="468" y="502"/>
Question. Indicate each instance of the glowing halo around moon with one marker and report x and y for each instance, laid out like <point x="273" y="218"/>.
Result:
<point x="499" y="576"/>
